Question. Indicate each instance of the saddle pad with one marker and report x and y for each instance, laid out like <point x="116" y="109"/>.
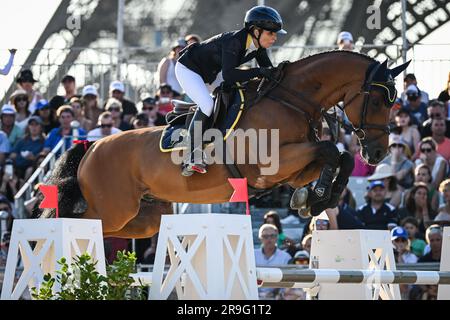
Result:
<point x="229" y="122"/>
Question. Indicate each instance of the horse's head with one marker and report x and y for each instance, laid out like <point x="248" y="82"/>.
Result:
<point x="368" y="109"/>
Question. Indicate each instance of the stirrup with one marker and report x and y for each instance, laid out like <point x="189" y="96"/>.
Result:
<point x="190" y="168"/>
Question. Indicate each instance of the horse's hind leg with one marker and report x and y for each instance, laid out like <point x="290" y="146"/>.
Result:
<point x="146" y="223"/>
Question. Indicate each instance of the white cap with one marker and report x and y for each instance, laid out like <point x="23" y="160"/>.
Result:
<point x="116" y="85"/>
<point x="90" y="89"/>
<point x="8" y="109"/>
<point x="344" y="35"/>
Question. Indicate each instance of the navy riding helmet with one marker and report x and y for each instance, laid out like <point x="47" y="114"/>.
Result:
<point x="265" y="18"/>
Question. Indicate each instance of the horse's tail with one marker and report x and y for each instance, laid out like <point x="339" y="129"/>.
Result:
<point x="71" y="203"/>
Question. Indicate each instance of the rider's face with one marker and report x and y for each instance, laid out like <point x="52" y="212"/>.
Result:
<point x="267" y="39"/>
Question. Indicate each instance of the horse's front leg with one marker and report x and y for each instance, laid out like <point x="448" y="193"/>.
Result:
<point x="346" y="165"/>
<point x="327" y="161"/>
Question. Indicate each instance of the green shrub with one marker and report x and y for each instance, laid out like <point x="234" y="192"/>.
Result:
<point x="81" y="281"/>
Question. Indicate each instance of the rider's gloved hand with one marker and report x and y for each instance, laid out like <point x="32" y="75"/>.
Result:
<point x="270" y="73"/>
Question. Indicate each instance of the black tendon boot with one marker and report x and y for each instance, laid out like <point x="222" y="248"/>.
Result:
<point x="345" y="170"/>
<point x="307" y="197"/>
<point x="195" y="162"/>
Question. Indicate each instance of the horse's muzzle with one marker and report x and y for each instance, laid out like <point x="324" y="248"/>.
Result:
<point x="373" y="154"/>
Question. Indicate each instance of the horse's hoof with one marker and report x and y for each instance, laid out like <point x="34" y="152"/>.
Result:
<point x="304" y="213"/>
<point x="299" y="198"/>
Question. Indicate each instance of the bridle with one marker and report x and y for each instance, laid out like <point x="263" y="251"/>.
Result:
<point x="390" y="96"/>
<point x="367" y="86"/>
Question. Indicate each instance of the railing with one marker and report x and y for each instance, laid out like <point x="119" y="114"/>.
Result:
<point x="97" y="65"/>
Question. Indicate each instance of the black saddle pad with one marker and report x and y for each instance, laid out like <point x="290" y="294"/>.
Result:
<point x="172" y="135"/>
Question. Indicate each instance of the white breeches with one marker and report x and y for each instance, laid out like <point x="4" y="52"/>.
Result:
<point x="196" y="89"/>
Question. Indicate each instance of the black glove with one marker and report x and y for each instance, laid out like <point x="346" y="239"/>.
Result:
<point x="270" y="73"/>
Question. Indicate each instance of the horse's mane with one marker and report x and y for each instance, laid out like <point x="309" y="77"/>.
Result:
<point x="253" y="84"/>
<point x="345" y="52"/>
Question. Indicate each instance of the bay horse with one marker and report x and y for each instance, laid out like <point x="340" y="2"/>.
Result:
<point x="112" y="178"/>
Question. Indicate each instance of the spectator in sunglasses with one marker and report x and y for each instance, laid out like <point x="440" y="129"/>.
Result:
<point x="413" y="103"/>
<point x="117" y="91"/>
<point x="46" y="113"/>
<point x="436" y="110"/>
<point x="438" y="128"/>
<point x="410" y="79"/>
<point x="151" y="108"/>
<point x="114" y="106"/>
<point x="105" y="127"/>
<point x="8" y="124"/>
<point x="433" y="236"/>
<point x="401" y="166"/>
<point x="19" y="99"/>
<point x="433" y="160"/>
<point x="269" y="255"/>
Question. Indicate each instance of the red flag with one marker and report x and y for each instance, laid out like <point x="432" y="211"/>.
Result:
<point x="240" y="193"/>
<point x="50" y="200"/>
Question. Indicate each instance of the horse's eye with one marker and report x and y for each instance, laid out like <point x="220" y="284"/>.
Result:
<point x="376" y="101"/>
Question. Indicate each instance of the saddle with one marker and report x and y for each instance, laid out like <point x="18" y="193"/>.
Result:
<point x="228" y="107"/>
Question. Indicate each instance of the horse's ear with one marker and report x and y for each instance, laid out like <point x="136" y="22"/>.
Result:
<point x="397" y="70"/>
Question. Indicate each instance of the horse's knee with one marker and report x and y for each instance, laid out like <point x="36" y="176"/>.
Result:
<point x="329" y="153"/>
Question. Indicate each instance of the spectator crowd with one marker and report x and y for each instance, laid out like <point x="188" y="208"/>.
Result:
<point x="408" y="193"/>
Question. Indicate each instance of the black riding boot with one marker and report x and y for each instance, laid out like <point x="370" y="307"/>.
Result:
<point x="195" y="162"/>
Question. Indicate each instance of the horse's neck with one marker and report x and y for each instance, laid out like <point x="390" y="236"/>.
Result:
<point x="327" y="77"/>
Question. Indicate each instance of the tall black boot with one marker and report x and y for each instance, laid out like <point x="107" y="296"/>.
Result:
<point x="195" y="162"/>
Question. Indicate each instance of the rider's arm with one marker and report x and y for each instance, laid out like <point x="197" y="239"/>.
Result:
<point x="230" y="62"/>
<point x="8" y="66"/>
<point x="263" y="59"/>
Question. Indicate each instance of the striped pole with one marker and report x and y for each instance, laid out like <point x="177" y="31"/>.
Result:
<point x="307" y="278"/>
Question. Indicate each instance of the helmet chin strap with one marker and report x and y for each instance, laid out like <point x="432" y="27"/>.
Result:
<point x="257" y="37"/>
